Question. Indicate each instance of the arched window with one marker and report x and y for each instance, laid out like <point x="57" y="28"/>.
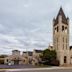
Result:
<point x="57" y="29"/>
<point x="63" y="43"/>
<point x="57" y="43"/>
<point x="66" y="43"/>
<point x="62" y="28"/>
<point x="63" y="39"/>
<point x="65" y="59"/>
<point x="65" y="29"/>
<point x="7" y="60"/>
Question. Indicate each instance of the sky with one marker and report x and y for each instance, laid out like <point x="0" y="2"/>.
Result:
<point x="28" y="24"/>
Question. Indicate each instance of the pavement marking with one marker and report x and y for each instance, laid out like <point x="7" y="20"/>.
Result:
<point x="33" y="69"/>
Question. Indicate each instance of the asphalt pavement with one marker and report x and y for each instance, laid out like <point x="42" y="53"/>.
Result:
<point x="17" y="66"/>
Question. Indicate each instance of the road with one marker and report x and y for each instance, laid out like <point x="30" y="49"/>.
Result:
<point x="40" y="70"/>
<point x="16" y="66"/>
<point x="47" y="71"/>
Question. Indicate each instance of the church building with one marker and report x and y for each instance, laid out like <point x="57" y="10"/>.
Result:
<point x="61" y="38"/>
<point x="60" y="45"/>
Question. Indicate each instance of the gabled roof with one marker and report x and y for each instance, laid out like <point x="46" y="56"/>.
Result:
<point x="64" y="19"/>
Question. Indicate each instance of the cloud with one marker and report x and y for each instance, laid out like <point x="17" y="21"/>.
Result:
<point x="26" y="5"/>
<point x="27" y="24"/>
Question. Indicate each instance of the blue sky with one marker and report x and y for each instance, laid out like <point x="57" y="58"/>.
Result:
<point x="27" y="24"/>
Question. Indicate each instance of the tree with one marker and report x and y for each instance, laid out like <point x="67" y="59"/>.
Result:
<point x="48" y="57"/>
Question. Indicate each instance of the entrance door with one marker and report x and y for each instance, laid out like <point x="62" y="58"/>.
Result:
<point x="16" y="62"/>
<point x="65" y="59"/>
<point x="71" y="59"/>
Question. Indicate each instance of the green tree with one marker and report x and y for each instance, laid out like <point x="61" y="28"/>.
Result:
<point x="48" y="56"/>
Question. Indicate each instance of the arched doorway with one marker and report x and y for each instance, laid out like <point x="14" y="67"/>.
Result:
<point x="65" y="59"/>
<point x="71" y="59"/>
<point x="16" y="62"/>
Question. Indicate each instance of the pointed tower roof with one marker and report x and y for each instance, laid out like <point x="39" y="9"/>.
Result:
<point x="64" y="19"/>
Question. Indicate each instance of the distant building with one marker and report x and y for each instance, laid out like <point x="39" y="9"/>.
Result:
<point x="26" y="57"/>
<point x="2" y="58"/>
<point x="36" y="56"/>
<point x="15" y="58"/>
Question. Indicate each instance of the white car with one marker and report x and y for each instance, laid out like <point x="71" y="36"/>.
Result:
<point x="9" y="63"/>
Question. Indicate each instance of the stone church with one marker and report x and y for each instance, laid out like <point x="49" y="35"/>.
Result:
<point x="61" y="38"/>
<point x="60" y="45"/>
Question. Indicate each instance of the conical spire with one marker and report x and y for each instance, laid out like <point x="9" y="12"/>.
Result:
<point x="64" y="19"/>
<point x="61" y="13"/>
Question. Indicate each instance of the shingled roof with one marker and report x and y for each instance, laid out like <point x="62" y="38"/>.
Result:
<point x="64" y="19"/>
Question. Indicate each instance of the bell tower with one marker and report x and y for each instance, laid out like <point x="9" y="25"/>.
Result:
<point x="61" y="37"/>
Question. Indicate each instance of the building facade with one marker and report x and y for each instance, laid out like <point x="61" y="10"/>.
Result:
<point x="25" y="58"/>
<point x="36" y="57"/>
<point x="61" y="37"/>
<point x="15" y="58"/>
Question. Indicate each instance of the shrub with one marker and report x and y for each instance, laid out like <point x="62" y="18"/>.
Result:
<point x="55" y="62"/>
<point x="49" y="57"/>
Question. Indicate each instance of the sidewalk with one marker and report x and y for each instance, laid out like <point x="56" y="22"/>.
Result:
<point x="31" y="69"/>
